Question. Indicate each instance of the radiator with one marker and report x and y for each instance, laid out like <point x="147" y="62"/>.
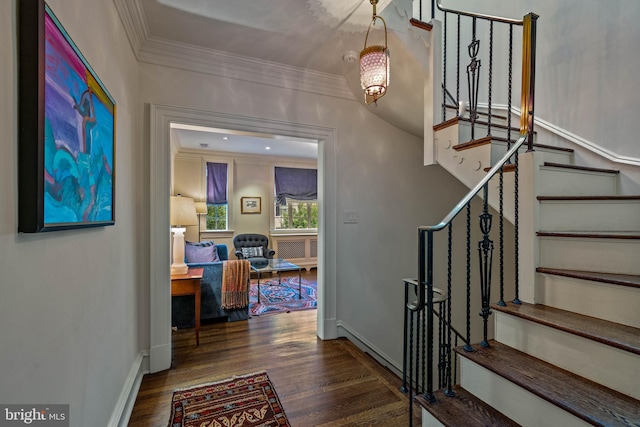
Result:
<point x="299" y="249"/>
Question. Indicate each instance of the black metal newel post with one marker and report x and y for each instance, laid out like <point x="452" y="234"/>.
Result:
<point x="485" y="252"/>
<point x="405" y="339"/>
<point x="429" y="396"/>
<point x="449" y="390"/>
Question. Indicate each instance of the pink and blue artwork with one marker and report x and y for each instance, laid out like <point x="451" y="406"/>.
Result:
<point x="79" y="137"/>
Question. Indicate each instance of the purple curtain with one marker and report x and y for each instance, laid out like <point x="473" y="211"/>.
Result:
<point x="295" y="183"/>
<point x="217" y="183"/>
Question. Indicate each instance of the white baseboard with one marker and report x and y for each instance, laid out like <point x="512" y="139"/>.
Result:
<point x="124" y="406"/>
<point x="365" y="345"/>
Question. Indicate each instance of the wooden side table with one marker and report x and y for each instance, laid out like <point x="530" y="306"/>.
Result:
<point x="189" y="284"/>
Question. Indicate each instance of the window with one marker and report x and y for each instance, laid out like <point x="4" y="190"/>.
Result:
<point x="296" y="215"/>
<point x="217" y="205"/>
<point x="296" y="192"/>
<point x="216" y="216"/>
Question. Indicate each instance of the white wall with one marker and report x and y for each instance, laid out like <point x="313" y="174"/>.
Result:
<point x="379" y="174"/>
<point x="70" y="300"/>
<point x="586" y="65"/>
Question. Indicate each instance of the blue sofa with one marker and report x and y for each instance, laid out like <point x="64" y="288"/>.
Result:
<point x="183" y="307"/>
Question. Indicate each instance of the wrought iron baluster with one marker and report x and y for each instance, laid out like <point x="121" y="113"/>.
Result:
<point x="490" y="76"/>
<point x="467" y="346"/>
<point x="485" y="253"/>
<point x="501" y="203"/>
<point x="458" y="65"/>
<point x="509" y="89"/>
<point x="449" y="391"/>
<point x="516" y="226"/>
<point x="473" y="78"/>
<point x="444" y="69"/>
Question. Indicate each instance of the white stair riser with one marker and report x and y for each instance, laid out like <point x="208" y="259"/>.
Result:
<point x="598" y="362"/>
<point x="429" y="420"/>
<point x="521" y="406"/>
<point x="620" y="256"/>
<point x="589" y="215"/>
<point x="606" y="301"/>
<point x="553" y="181"/>
<point x="499" y="149"/>
<point x="481" y="131"/>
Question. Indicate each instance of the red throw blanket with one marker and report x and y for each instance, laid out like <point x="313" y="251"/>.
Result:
<point x="235" y="284"/>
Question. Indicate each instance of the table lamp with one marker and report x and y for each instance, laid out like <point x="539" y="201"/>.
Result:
<point x="182" y="213"/>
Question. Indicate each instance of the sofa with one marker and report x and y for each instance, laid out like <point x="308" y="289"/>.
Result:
<point x="183" y="307"/>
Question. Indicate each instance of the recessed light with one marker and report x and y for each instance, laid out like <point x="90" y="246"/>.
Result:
<point x="267" y="148"/>
<point x="225" y="138"/>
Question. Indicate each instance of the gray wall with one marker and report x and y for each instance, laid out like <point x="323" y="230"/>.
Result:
<point x="379" y="174"/>
<point x="70" y="302"/>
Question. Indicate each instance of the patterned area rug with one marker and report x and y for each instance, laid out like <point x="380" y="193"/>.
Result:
<point x="248" y="401"/>
<point x="282" y="298"/>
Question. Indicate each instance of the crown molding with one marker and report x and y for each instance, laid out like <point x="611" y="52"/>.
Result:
<point x="187" y="57"/>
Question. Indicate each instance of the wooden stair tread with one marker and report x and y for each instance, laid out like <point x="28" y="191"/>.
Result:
<point x="585" y="399"/>
<point x="616" y="279"/>
<point x="464" y="410"/>
<point x="421" y="24"/>
<point x="588" y="198"/>
<point x="581" y="168"/>
<point x="616" y="335"/>
<point x="623" y="235"/>
<point x="473" y="143"/>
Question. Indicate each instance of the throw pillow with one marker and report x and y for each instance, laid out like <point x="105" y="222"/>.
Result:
<point x="195" y="254"/>
<point x="252" y="252"/>
<point x="206" y="243"/>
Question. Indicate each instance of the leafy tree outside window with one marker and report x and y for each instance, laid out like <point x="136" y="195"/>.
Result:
<point x="297" y="215"/>
<point x="216" y="216"/>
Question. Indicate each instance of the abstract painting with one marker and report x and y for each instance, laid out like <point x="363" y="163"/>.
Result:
<point x="72" y="183"/>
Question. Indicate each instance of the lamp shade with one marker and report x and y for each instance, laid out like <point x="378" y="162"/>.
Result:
<point x="374" y="64"/>
<point x="183" y="211"/>
<point x="201" y="207"/>
<point x="374" y="70"/>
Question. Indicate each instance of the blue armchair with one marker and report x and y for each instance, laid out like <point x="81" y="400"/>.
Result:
<point x="183" y="307"/>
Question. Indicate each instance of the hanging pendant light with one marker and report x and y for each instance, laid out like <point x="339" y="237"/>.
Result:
<point x="374" y="64"/>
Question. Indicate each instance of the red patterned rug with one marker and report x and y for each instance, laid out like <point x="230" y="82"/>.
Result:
<point x="283" y="297"/>
<point x="243" y="401"/>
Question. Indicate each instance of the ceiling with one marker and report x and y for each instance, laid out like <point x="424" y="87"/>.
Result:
<point x="310" y="35"/>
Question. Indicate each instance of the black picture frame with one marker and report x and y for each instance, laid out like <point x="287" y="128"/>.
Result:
<point x="66" y="130"/>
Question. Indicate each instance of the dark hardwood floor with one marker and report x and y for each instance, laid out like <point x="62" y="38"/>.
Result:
<point x="320" y="383"/>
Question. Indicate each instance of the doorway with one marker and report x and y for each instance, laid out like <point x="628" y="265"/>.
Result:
<point x="161" y="117"/>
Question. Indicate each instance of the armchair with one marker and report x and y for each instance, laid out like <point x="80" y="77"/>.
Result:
<point x="256" y="248"/>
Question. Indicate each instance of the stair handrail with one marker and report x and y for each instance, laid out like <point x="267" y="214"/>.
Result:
<point x="480" y="15"/>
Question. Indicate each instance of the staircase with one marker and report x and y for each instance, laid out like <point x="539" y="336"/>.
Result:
<point x="570" y="357"/>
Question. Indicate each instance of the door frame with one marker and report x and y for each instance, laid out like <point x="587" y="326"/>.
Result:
<point x="160" y="172"/>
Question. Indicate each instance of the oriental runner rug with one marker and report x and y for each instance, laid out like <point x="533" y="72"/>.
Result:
<point x="242" y="401"/>
<point x="281" y="298"/>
